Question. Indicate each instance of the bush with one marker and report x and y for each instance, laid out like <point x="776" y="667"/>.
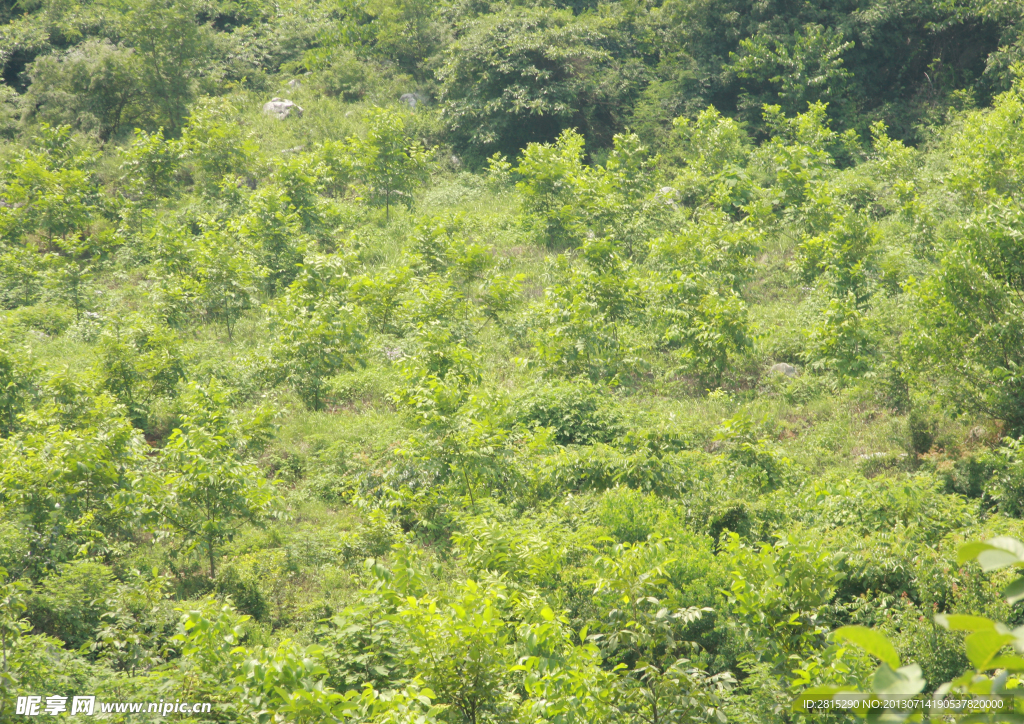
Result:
<point x="576" y="413"/>
<point x="629" y="515"/>
<point x="51" y="320"/>
<point x="69" y="604"/>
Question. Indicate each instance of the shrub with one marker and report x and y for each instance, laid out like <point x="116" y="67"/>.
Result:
<point x="69" y="604"/>
<point x="629" y="515"/>
<point x="577" y="413"/>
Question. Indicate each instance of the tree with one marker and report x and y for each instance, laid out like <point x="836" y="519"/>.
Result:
<point x="316" y="338"/>
<point x="214" y="276"/>
<point x="553" y="181"/>
<point x="91" y="87"/>
<point x="12" y="627"/>
<point x="574" y="202"/>
<point x="72" y="477"/>
<point x="806" y="69"/>
<point x="17" y="383"/>
<point x="461" y="646"/>
<point x="138" y="362"/>
<point x="968" y="313"/>
<point x="171" y="49"/>
<point x="148" y="163"/>
<point x="388" y="163"/>
<point x="216" y="146"/>
<point x="968" y="319"/>
<point x="48" y="188"/>
<point x="524" y="75"/>
<point x="209" y="492"/>
<point x="640" y="628"/>
<point x="405" y="30"/>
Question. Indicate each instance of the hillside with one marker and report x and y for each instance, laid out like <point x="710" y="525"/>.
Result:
<point x="400" y="361"/>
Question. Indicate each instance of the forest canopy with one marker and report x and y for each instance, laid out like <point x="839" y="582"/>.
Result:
<point x="411" y="362"/>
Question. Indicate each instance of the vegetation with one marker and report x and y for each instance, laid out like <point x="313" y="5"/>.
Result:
<point x="580" y="363"/>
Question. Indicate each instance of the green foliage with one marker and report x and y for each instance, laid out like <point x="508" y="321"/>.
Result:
<point x="215" y="145"/>
<point x="407" y="31"/>
<point x="780" y="592"/>
<point x="12" y="627"/>
<point x="149" y="163"/>
<point x="49" y="190"/>
<point x="213" y="277"/>
<point x="139" y="363"/>
<point x="842" y="342"/>
<point x="572" y="413"/>
<point x="70" y="604"/>
<point x="389" y="164"/>
<point x="92" y="87"/>
<point x="696" y="308"/>
<point x="209" y="492"/>
<point x="552" y="178"/>
<point x="460" y="646"/>
<point x="171" y="48"/>
<point x="631" y="516"/>
<point x="71" y="481"/>
<point x="522" y="76"/>
<point x="714" y="150"/>
<point x="16" y="386"/>
<point x="641" y="629"/>
<point x="315" y="340"/>
<point x="968" y="309"/>
<point x="676" y="425"/>
<point x="807" y="70"/>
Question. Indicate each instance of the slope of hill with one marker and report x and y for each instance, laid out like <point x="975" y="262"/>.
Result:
<point x="586" y="362"/>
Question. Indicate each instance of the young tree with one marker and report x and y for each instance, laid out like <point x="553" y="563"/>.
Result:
<point x="214" y="276"/>
<point x="805" y="68"/>
<point x="316" y="338"/>
<point x="968" y="314"/>
<point x="407" y="31"/>
<point x="17" y="384"/>
<point x="70" y="273"/>
<point x="148" y="164"/>
<point x="664" y="686"/>
<point x="48" y="187"/>
<point x="209" y="491"/>
<point x="69" y="475"/>
<point x="554" y="180"/>
<point x="461" y="647"/>
<point x="139" y="362"/>
<point x="389" y="163"/>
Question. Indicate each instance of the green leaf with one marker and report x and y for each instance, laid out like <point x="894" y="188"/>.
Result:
<point x="1015" y="591"/>
<point x="959" y="622"/>
<point x="994" y="553"/>
<point x="871" y="641"/>
<point x="1010" y="663"/>
<point x="815" y="693"/>
<point x="969" y="551"/>
<point x="905" y="681"/>
<point x="983" y="645"/>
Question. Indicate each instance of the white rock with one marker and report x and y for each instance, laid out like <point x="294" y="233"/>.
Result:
<point x="782" y="368"/>
<point x="281" y="108"/>
<point x="411" y="99"/>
